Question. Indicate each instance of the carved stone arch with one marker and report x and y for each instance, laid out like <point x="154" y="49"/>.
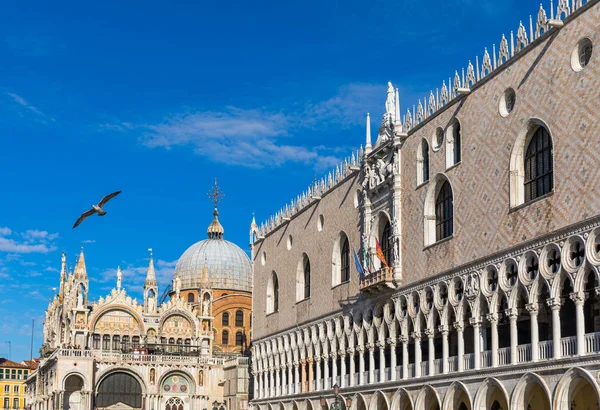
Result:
<point x="536" y="288"/>
<point x="557" y="284"/>
<point x="514" y="295"/>
<point x="401" y="400"/>
<point x="456" y="394"/>
<point x="517" y="164"/>
<point x="489" y="391"/>
<point x="190" y="378"/>
<point x="378" y="314"/>
<point x="429" y="234"/>
<point x="523" y="392"/>
<point x="475" y="306"/>
<point x="428" y="398"/>
<point x="120" y="369"/>
<point x="576" y="385"/>
<point x="383" y="332"/>
<point x="379" y="401"/>
<point x="105" y="309"/>
<point x="582" y="276"/>
<point x="417" y="323"/>
<point x="174" y="312"/>
<point x="367" y="318"/>
<point x="359" y="402"/>
<point x="86" y="383"/>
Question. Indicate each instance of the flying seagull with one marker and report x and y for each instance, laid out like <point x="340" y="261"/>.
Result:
<point x="96" y="208"/>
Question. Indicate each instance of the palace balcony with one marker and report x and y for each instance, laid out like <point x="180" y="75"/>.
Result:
<point x="135" y="357"/>
<point x="377" y="281"/>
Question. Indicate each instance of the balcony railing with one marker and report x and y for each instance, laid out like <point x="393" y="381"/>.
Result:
<point x="383" y="278"/>
<point x="138" y="357"/>
<point x="523" y="355"/>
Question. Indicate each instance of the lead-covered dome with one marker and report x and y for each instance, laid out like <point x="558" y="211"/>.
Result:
<point x="228" y="265"/>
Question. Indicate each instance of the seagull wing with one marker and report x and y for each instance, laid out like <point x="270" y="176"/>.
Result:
<point x="108" y="198"/>
<point x="83" y="216"/>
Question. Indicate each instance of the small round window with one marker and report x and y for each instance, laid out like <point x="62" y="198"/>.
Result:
<point x="438" y="139"/>
<point x="582" y="54"/>
<point x="507" y="102"/>
<point x="289" y="242"/>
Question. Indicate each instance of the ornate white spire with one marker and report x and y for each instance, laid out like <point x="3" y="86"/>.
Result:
<point x="215" y="229"/>
<point x="119" y="278"/>
<point x="368" y="145"/>
<point x="151" y="275"/>
<point x="397" y="117"/>
<point x="80" y="269"/>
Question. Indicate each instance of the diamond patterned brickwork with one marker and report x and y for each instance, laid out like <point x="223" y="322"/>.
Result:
<point x="548" y="89"/>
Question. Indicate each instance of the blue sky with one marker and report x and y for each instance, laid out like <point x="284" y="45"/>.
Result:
<point x="159" y="98"/>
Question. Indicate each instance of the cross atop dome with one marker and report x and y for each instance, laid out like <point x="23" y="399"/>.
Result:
<point x="215" y="229"/>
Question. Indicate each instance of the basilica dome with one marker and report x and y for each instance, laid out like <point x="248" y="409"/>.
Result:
<point x="228" y="265"/>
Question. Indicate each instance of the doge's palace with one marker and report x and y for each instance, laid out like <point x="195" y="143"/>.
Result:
<point x="452" y="263"/>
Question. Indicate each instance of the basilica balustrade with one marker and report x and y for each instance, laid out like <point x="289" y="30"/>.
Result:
<point x="378" y="280"/>
<point x="535" y="305"/>
<point x="114" y="356"/>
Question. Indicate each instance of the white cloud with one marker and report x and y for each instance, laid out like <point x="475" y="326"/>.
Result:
<point x="22" y="102"/>
<point x="259" y="137"/>
<point x="89" y="241"/>
<point x="34" y="241"/>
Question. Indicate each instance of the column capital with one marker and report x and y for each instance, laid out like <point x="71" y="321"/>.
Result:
<point x="492" y="318"/>
<point x="532" y="308"/>
<point x="360" y="349"/>
<point x="380" y="344"/>
<point x="342" y="353"/>
<point x="443" y="329"/>
<point x="475" y="321"/>
<point x="350" y="351"/>
<point x="403" y="339"/>
<point x="371" y="347"/>
<point x="391" y="341"/>
<point x="554" y="303"/>
<point x="459" y="326"/>
<point x="512" y="313"/>
<point x="416" y="335"/>
<point x="430" y="333"/>
<point x="578" y="298"/>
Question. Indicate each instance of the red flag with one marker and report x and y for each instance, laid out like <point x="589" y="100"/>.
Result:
<point x="380" y="254"/>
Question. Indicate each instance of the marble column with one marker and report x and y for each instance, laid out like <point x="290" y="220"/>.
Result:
<point x="342" y="369"/>
<point x="290" y="379"/>
<point x="309" y="382"/>
<point x="404" y="340"/>
<point x="278" y="381"/>
<point x="431" y="354"/>
<point x="271" y="382"/>
<point x="444" y="331"/>
<point x="361" y="365"/>
<point x="256" y="384"/>
<point x="417" y="337"/>
<point x="579" y="299"/>
<point x="318" y="384"/>
<point x="352" y="366"/>
<point x="371" y="348"/>
<point x="303" y="384"/>
<point x="476" y="323"/>
<point x="325" y="372"/>
<point x="334" y="369"/>
<point x="555" y="305"/>
<point x="532" y="308"/>
<point x="493" y="319"/>
<point x="514" y="341"/>
<point x="393" y="359"/>
<point x="461" y="344"/>
<point x="283" y="388"/>
<point x="297" y="381"/>
<point x="381" y="345"/>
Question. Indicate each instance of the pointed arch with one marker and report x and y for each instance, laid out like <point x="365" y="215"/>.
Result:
<point x="491" y="391"/>
<point x="428" y="399"/>
<point x="401" y="400"/>
<point x="453" y="143"/>
<point x="577" y="386"/>
<point x="530" y="390"/>
<point x="340" y="260"/>
<point x="359" y="402"/>
<point x="524" y="182"/>
<point x="272" y="294"/>
<point x="303" y="278"/>
<point x="438" y="211"/>
<point x="456" y="396"/>
<point x="423" y="162"/>
<point x="379" y="401"/>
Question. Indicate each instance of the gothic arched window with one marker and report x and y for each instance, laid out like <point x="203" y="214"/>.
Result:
<point x="423" y="163"/>
<point x="444" y="212"/>
<point x="116" y="342"/>
<point x="239" y="339"/>
<point x="272" y="294"/>
<point x="385" y="242"/>
<point x="345" y="256"/>
<point x="306" y="278"/>
<point x="190" y="298"/>
<point x="457" y="142"/>
<point x="225" y="338"/>
<point x="225" y="319"/>
<point x="96" y="341"/>
<point x="539" y="166"/>
<point x="106" y="342"/>
<point x="239" y="318"/>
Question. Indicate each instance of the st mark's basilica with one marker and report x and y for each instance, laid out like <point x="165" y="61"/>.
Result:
<point x="186" y="353"/>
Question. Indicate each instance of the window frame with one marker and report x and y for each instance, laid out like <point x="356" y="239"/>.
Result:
<point x="345" y="260"/>
<point x="239" y="318"/>
<point x="225" y="319"/>
<point x="538" y="153"/>
<point x="444" y="212"/>
<point x="225" y="337"/>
